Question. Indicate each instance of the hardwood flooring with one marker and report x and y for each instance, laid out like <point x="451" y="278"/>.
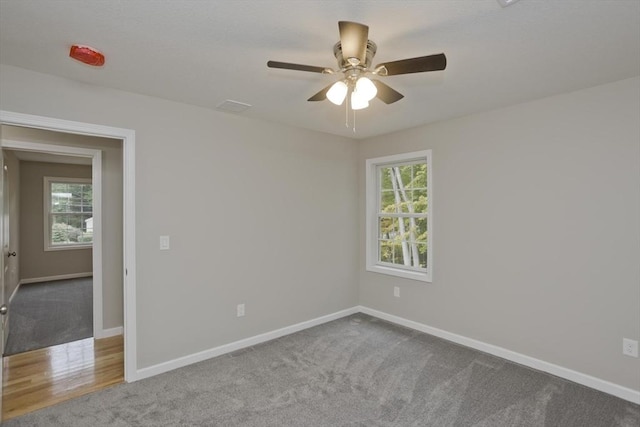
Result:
<point x="45" y="377"/>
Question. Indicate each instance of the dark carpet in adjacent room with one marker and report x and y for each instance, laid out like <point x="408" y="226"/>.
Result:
<point x="355" y="371"/>
<point x="50" y="313"/>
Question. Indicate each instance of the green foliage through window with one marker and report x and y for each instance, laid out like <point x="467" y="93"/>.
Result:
<point x="70" y="213"/>
<point x="402" y="218"/>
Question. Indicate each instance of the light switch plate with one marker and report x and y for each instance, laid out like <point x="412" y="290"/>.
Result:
<point x="164" y="243"/>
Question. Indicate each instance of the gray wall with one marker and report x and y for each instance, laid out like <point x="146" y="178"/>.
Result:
<point x="536" y="229"/>
<point x="112" y="252"/>
<point x="258" y="213"/>
<point x="35" y="262"/>
<point x="12" y="263"/>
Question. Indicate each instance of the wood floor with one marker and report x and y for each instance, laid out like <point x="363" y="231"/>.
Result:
<point x="51" y="375"/>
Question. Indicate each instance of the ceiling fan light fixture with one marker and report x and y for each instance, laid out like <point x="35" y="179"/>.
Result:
<point x="358" y="102"/>
<point x="338" y="92"/>
<point x="366" y="89"/>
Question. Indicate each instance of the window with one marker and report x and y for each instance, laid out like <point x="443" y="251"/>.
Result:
<point x="68" y="213"/>
<point x="399" y="206"/>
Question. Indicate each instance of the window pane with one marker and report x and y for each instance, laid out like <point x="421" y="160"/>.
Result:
<point x="387" y="201"/>
<point x="71" y="228"/>
<point x="412" y="229"/>
<point x="419" y="198"/>
<point x="386" y="251"/>
<point x="60" y="197"/>
<point x="422" y="249"/>
<point x="388" y="228"/>
<point x="66" y="197"/>
<point x="402" y="241"/>
<point x="403" y="188"/>
<point x="389" y="248"/>
<point x="391" y="252"/>
<point x="403" y="253"/>
<point x="421" y="229"/>
<point x="415" y="229"/>
<point x="404" y="175"/>
<point x="420" y="176"/>
<point x="397" y="253"/>
<point x="385" y="179"/>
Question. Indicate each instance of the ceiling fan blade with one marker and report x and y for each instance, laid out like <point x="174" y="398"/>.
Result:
<point x="322" y="95"/>
<point x="414" y="65"/>
<point x="298" y="67"/>
<point x="353" y="39"/>
<point x="386" y="94"/>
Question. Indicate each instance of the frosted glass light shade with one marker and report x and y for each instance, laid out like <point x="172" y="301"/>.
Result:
<point x="357" y="101"/>
<point x="366" y="89"/>
<point x="337" y="93"/>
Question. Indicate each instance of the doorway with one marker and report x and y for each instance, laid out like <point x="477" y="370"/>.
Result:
<point x="50" y="214"/>
<point x="128" y="260"/>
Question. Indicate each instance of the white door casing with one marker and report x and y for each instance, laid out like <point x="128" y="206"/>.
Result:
<point x="2" y="284"/>
<point x="128" y="138"/>
<point x="8" y="256"/>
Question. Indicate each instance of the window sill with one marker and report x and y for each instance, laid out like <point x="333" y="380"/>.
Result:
<point x="397" y="272"/>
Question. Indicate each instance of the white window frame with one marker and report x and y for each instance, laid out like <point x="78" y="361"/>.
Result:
<point x="372" y="210"/>
<point x="47" y="213"/>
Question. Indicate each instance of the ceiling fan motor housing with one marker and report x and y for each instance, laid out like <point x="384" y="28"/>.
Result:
<point x="345" y="65"/>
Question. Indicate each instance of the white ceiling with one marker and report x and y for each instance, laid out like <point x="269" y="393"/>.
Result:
<point x="205" y="52"/>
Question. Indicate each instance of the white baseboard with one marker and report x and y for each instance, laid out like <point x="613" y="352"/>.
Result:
<point x="238" y="345"/>
<point x="569" y="374"/>
<point x="59" y="277"/>
<point x="106" y="333"/>
<point x="15" y="291"/>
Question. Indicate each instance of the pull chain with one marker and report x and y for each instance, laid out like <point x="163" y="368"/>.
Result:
<point x="346" y="112"/>
<point x="347" y="103"/>
<point x="354" y="121"/>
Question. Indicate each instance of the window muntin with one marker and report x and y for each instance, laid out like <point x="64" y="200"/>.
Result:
<point x="399" y="215"/>
<point x="68" y="213"/>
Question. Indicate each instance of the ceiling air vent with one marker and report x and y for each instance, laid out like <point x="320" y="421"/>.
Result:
<point x="230" y="106"/>
<point x="505" y="3"/>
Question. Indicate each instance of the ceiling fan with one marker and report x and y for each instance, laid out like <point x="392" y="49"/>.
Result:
<point x="354" y="53"/>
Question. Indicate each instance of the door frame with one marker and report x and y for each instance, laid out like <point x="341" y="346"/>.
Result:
<point x="3" y="299"/>
<point x="128" y="168"/>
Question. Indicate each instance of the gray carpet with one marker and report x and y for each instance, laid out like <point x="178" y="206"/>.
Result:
<point x="355" y="371"/>
<point x="50" y="313"/>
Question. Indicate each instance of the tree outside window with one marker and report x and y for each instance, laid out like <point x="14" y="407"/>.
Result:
<point x="402" y="215"/>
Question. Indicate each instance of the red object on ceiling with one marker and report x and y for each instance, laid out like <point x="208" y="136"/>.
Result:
<point x="87" y="54"/>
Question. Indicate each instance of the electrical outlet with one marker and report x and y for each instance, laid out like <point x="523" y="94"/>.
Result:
<point x="396" y="291"/>
<point x="629" y="347"/>
<point x="240" y="310"/>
